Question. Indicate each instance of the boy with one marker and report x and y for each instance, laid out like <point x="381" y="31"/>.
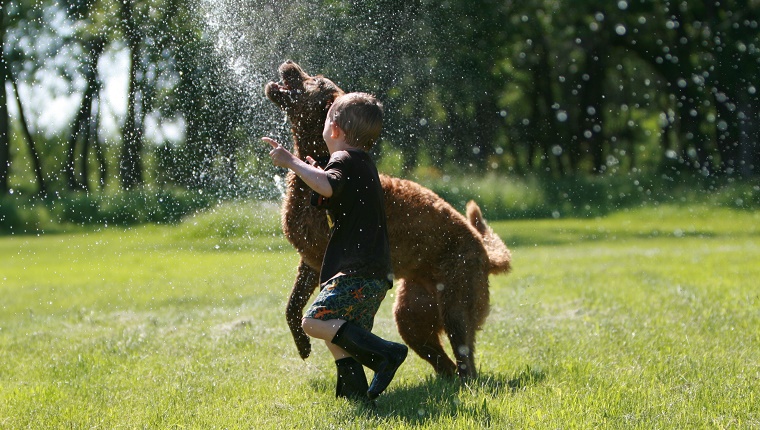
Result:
<point x="356" y="270"/>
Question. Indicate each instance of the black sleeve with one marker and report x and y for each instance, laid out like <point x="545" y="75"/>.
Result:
<point x="336" y="175"/>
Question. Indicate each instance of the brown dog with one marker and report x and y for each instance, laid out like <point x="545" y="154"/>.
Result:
<point x="441" y="258"/>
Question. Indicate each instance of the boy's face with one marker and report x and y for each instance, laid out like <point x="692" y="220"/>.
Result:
<point x="331" y="131"/>
<point x="327" y="130"/>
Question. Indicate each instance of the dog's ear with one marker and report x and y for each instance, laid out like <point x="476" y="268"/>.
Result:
<point x="328" y="104"/>
<point x="293" y="75"/>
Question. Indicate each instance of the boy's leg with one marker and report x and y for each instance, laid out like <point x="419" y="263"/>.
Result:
<point x="336" y="351"/>
<point x="321" y="329"/>
<point x="325" y="330"/>
<point x="380" y="355"/>
<point x="351" y="382"/>
<point x="359" y="299"/>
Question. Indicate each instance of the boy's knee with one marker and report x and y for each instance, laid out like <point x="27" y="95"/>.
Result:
<point x="320" y="329"/>
<point x="309" y="327"/>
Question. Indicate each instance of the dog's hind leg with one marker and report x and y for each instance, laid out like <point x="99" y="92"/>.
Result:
<point x="462" y="338"/>
<point x="419" y="322"/>
<point x="462" y="315"/>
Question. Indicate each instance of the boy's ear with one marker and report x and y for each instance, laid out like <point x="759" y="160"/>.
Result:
<point x="335" y="130"/>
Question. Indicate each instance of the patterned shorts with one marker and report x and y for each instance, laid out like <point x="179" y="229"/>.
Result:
<point x="349" y="298"/>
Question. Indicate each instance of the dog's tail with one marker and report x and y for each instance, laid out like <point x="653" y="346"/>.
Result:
<point x="499" y="256"/>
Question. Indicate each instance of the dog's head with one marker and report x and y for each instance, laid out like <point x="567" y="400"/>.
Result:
<point x="305" y="100"/>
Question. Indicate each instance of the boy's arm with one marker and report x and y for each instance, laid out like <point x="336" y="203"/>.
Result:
<point x="314" y="177"/>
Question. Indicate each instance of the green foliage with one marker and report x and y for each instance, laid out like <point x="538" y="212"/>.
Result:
<point x="232" y="225"/>
<point x="24" y="215"/>
<point x="643" y="319"/>
<point x="565" y="88"/>
<point x="500" y="198"/>
<point x="516" y="197"/>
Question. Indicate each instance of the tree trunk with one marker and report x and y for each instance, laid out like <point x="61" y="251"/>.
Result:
<point x="36" y="162"/>
<point x="592" y="97"/>
<point x="84" y="149"/>
<point x="83" y="123"/>
<point x="411" y="148"/>
<point x="78" y="127"/>
<point x="748" y="138"/>
<point x="130" y="164"/>
<point x="5" y="136"/>
<point x="548" y="130"/>
<point x="99" y="154"/>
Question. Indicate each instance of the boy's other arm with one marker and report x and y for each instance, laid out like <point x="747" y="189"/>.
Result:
<point x="314" y="177"/>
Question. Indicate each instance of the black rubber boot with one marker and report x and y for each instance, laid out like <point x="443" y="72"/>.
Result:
<point x="352" y="382"/>
<point x="378" y="354"/>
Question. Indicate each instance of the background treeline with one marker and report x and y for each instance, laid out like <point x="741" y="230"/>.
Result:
<point x="569" y="88"/>
<point x="540" y="88"/>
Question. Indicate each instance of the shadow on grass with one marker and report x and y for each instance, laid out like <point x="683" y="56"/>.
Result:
<point x="439" y="397"/>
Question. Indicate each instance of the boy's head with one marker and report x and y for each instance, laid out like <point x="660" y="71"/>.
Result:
<point x="360" y="116"/>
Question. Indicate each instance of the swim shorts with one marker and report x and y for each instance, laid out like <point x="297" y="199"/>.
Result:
<point x="349" y="298"/>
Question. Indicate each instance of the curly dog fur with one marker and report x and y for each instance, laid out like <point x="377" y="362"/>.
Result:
<point x="441" y="258"/>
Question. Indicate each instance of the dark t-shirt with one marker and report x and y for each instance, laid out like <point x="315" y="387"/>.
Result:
<point x="358" y="243"/>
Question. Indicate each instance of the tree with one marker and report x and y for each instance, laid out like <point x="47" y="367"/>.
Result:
<point x="5" y="135"/>
<point x="12" y="15"/>
<point x="84" y="127"/>
<point x="33" y="153"/>
<point x="130" y="162"/>
<point x="704" y="53"/>
<point x="91" y="21"/>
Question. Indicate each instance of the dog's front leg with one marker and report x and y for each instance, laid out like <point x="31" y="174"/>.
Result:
<point x="306" y="281"/>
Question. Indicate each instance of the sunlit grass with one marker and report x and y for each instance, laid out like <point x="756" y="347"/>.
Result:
<point x="643" y="319"/>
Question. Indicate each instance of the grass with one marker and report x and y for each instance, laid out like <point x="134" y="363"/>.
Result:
<point x="644" y="319"/>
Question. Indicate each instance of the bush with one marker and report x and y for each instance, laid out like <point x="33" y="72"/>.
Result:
<point x="26" y="215"/>
<point x="127" y="208"/>
<point x="19" y="215"/>
<point x="500" y="197"/>
<point x="503" y="197"/>
<point x="237" y="219"/>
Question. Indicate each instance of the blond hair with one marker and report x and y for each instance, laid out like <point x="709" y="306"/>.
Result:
<point x="360" y="116"/>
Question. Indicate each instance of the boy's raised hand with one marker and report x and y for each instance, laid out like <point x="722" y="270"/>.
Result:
<point x="281" y="157"/>
<point x="313" y="175"/>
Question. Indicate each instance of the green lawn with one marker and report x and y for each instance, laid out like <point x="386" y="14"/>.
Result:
<point x="644" y="319"/>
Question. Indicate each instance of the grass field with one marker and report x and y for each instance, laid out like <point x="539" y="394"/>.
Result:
<point x="643" y="319"/>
